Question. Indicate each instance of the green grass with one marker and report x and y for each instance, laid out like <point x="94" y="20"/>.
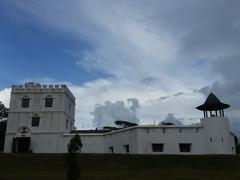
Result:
<point x="120" y="167"/>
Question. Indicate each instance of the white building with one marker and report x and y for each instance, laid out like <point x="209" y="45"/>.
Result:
<point x="38" y="116"/>
<point x="41" y="120"/>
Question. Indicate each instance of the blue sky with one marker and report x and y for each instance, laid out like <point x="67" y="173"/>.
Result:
<point x="30" y="51"/>
<point x="165" y="55"/>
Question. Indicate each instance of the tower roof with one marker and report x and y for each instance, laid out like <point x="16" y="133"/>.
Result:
<point x="212" y="103"/>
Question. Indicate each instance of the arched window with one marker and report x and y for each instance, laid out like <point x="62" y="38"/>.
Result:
<point x="48" y="101"/>
<point x="25" y="101"/>
<point x="35" y="120"/>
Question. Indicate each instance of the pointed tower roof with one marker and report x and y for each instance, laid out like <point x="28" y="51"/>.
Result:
<point x="212" y="103"/>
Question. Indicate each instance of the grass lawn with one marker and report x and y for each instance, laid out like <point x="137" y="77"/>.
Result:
<point x="120" y="167"/>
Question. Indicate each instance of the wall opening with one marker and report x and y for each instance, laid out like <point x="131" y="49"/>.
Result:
<point x="164" y="130"/>
<point x="126" y="148"/>
<point x="185" y="147"/>
<point x="49" y="101"/>
<point x="25" y="102"/>
<point x="21" y="145"/>
<point x="35" y="121"/>
<point x="157" y="147"/>
<point x="111" y="149"/>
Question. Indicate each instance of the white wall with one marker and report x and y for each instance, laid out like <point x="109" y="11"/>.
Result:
<point x="171" y="139"/>
<point x="141" y="138"/>
<point x="117" y="140"/>
<point x="217" y="135"/>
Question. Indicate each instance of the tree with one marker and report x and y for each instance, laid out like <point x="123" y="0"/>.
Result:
<point x="237" y="148"/>
<point x="3" y="112"/>
<point x="237" y="145"/>
<point x="3" y="124"/>
<point x="75" y="144"/>
<point x="73" y="168"/>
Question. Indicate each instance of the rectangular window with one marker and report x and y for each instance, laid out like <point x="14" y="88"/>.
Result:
<point x="185" y="147"/>
<point x="197" y="130"/>
<point x="157" y="147"/>
<point x="69" y="108"/>
<point x="126" y="148"/>
<point x="111" y="149"/>
<point x="48" y="102"/>
<point x="35" y="121"/>
<point x="25" y="102"/>
<point x="66" y="123"/>
<point x="164" y="130"/>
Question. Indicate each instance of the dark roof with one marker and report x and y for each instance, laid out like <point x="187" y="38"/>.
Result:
<point x="212" y="103"/>
<point x="110" y="128"/>
<point x="89" y="131"/>
<point x="126" y="123"/>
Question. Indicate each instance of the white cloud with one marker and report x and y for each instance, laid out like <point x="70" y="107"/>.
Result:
<point x="109" y="113"/>
<point x="151" y="107"/>
<point x="170" y="118"/>
<point x="5" y="96"/>
<point x="128" y="41"/>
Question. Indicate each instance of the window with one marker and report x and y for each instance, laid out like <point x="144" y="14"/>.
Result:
<point x="35" y="121"/>
<point x="126" y="148"/>
<point x="210" y="139"/>
<point x="180" y="131"/>
<point x="49" y="101"/>
<point x="157" y="147"/>
<point x="25" y="102"/>
<point x="197" y="130"/>
<point x="111" y="149"/>
<point x="222" y="139"/>
<point x="185" y="147"/>
<point x="164" y="130"/>
<point x="66" y="123"/>
<point x="69" y="107"/>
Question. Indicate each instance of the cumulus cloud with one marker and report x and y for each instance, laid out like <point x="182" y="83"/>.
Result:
<point x="134" y="105"/>
<point x="170" y="118"/>
<point x="107" y="114"/>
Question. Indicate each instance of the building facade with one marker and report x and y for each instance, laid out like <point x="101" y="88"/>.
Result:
<point x="38" y="116"/>
<point x="41" y="120"/>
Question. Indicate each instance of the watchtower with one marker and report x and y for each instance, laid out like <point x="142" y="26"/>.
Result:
<point x="213" y="107"/>
<point x="37" y="115"/>
<point x="217" y="135"/>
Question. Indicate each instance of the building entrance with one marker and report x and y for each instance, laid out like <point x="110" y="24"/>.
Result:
<point x="21" y="145"/>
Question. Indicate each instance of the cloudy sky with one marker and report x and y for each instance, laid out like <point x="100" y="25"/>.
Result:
<point x="143" y="57"/>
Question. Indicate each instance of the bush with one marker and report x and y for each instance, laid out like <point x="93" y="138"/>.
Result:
<point x="75" y="144"/>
